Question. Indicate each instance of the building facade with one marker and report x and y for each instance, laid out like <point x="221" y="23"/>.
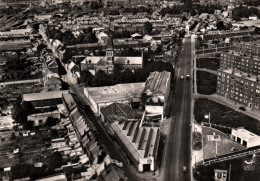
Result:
<point x="239" y="87"/>
<point x="241" y="62"/>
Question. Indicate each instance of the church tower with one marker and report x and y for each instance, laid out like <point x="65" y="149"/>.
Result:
<point x="110" y="54"/>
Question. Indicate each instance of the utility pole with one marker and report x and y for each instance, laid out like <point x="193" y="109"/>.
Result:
<point x="229" y="175"/>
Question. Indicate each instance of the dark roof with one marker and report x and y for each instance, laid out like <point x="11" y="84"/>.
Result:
<point x="117" y="111"/>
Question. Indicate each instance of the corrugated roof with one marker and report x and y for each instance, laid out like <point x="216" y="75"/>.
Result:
<point x="118" y="111"/>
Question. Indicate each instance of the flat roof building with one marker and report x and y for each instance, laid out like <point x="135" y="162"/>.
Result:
<point x="120" y="93"/>
<point x="245" y="137"/>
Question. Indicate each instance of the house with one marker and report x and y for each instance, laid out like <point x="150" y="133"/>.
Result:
<point x="245" y="137"/>
<point x="74" y="70"/>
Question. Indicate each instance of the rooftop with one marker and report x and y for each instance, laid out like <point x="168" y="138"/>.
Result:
<point x="246" y="134"/>
<point x="44" y="95"/>
<point x="156" y="83"/>
<point x="142" y="142"/>
<point x="240" y="74"/>
<point x="118" y="110"/>
<point x="116" y="92"/>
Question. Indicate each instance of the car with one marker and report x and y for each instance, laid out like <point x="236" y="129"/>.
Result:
<point x="182" y="77"/>
<point x="242" y="108"/>
<point x="184" y="169"/>
<point x="187" y="77"/>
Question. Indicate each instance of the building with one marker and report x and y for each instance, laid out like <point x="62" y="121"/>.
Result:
<point x="106" y="63"/>
<point x="44" y="100"/>
<point x="120" y="93"/>
<point x="156" y="92"/>
<point x="220" y="175"/>
<point x="240" y="61"/>
<point x="245" y="138"/>
<point x="58" y="177"/>
<point x="139" y="143"/>
<point x="248" y="48"/>
<point x="239" y="87"/>
<point x="53" y="84"/>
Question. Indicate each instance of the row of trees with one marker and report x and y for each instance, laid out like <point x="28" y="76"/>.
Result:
<point x="67" y="38"/>
<point x="244" y="12"/>
<point x="124" y="76"/>
<point x="193" y="9"/>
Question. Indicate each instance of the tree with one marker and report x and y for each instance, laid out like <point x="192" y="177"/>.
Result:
<point x="148" y="27"/>
<point x="50" y="121"/>
<point x="28" y="125"/>
<point x="28" y="108"/>
<point x="127" y="76"/>
<point x="55" y="160"/>
<point x="18" y="114"/>
<point x="101" y="79"/>
<point x="40" y="48"/>
<point x="86" y="77"/>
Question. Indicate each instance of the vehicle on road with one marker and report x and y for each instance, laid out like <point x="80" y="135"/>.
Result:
<point x="187" y="77"/>
<point x="182" y="77"/>
<point x="184" y="169"/>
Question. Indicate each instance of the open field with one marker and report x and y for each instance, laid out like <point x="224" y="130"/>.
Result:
<point x="206" y="83"/>
<point x="208" y="63"/>
<point x="224" y="115"/>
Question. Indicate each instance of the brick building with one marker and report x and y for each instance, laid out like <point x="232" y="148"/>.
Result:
<point x="241" y="62"/>
<point x="239" y="87"/>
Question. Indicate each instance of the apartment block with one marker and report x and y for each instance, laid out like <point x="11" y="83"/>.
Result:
<point x="248" y="48"/>
<point x="241" y="62"/>
<point x="240" y="87"/>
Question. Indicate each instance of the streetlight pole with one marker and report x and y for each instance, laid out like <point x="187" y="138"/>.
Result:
<point x="208" y="117"/>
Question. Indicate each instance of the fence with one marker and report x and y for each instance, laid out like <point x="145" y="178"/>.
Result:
<point x="234" y="155"/>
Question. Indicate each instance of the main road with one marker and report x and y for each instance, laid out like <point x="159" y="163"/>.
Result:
<point x="178" y="147"/>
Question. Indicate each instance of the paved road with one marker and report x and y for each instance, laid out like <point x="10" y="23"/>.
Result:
<point x="178" y="153"/>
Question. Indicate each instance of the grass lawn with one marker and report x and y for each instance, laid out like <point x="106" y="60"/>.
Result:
<point x="224" y="115"/>
<point x="224" y="145"/>
<point x="209" y="63"/>
<point x="206" y="83"/>
<point x="238" y="170"/>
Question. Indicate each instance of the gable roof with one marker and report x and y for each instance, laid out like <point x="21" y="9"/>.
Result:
<point x="101" y="62"/>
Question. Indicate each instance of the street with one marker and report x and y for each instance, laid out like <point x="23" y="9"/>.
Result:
<point x="178" y="146"/>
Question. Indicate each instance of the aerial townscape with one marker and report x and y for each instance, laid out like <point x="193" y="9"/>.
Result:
<point x="129" y="90"/>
